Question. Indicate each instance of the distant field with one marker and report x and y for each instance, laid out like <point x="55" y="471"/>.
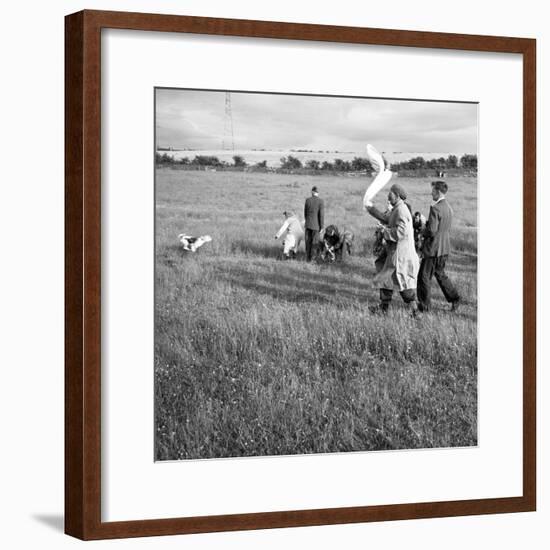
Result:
<point x="256" y="356"/>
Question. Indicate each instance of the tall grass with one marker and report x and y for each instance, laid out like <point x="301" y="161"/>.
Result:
<point x="255" y="356"/>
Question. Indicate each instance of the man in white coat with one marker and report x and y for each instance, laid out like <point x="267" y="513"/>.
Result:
<point x="400" y="269"/>
<point x="294" y="233"/>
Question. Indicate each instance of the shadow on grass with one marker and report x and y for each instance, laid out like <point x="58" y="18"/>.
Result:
<point x="297" y="282"/>
<point x="262" y="250"/>
<point x="261" y="270"/>
<point x="340" y="284"/>
<point x="462" y="263"/>
<point x="173" y="254"/>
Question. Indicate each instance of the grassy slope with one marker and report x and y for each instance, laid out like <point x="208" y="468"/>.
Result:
<point x="255" y="356"/>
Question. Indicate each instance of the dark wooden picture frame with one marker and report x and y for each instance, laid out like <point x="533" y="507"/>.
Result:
<point x="83" y="274"/>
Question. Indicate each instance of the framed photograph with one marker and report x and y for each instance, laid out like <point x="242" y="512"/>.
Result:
<point x="300" y="275"/>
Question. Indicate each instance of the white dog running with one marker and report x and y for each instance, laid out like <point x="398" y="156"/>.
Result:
<point x="193" y="243"/>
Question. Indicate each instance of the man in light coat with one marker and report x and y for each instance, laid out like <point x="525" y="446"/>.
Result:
<point x="400" y="268"/>
<point x="436" y="249"/>
<point x="293" y="232"/>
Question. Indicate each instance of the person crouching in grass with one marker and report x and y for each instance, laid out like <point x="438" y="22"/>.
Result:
<point x="336" y="244"/>
<point x="294" y="233"/>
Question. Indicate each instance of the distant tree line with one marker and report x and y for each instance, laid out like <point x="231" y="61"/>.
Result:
<point x="203" y="160"/>
<point x="290" y="162"/>
<point x="467" y="162"/>
<point x="358" y="164"/>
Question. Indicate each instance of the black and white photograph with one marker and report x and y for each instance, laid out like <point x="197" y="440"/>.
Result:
<point x="315" y="274"/>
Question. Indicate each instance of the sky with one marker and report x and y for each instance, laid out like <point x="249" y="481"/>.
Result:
<point x="192" y="119"/>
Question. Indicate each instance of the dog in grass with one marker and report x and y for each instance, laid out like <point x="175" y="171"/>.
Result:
<point x="192" y="244"/>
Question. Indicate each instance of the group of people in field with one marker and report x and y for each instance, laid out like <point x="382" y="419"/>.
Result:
<point x="409" y="249"/>
<point x="334" y="244"/>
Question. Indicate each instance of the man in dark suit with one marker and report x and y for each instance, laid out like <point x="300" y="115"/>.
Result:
<point x="314" y="213"/>
<point x="436" y="249"/>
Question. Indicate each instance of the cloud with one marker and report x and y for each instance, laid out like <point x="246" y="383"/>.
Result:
<point x="195" y="119"/>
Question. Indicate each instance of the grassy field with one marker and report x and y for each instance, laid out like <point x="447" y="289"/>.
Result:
<point x="257" y="356"/>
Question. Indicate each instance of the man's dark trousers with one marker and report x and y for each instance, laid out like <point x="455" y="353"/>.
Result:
<point x="430" y="266"/>
<point x="312" y="243"/>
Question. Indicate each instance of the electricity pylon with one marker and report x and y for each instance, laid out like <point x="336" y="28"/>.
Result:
<point x="228" y="137"/>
